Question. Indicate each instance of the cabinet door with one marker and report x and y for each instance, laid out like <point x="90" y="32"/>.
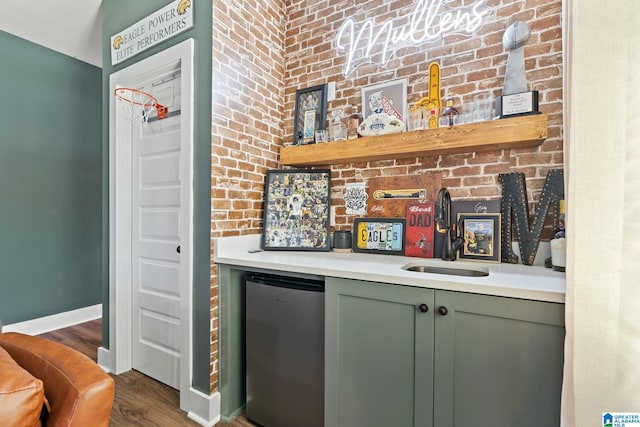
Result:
<point x="498" y="361"/>
<point x="378" y="355"/>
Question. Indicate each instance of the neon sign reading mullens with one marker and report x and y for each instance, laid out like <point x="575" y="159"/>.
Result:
<point x="428" y="21"/>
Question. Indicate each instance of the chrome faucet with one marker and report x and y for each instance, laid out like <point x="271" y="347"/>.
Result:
<point x="444" y="225"/>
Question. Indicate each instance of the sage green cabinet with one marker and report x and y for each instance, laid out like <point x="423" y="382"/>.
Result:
<point x="378" y="355"/>
<point x="498" y="361"/>
<point x="469" y="361"/>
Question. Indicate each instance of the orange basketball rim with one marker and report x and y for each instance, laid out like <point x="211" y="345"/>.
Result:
<point x="141" y="101"/>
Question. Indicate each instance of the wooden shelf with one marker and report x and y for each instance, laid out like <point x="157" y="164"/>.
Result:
<point x="517" y="132"/>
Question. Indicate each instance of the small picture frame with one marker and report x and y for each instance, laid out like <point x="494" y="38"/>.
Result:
<point x="310" y="114"/>
<point x="395" y="91"/>
<point x="379" y="235"/>
<point x="481" y="234"/>
<point x="296" y="210"/>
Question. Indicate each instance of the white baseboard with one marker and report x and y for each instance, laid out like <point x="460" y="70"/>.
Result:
<point x="55" y="321"/>
<point x="204" y="409"/>
<point x="104" y="359"/>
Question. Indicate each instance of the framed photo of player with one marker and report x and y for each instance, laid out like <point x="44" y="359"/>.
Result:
<point x="310" y="114"/>
<point x="481" y="234"/>
<point x="296" y="210"/>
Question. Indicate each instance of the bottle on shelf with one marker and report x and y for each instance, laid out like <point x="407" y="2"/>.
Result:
<point x="559" y="242"/>
<point x="559" y="232"/>
<point x="355" y="119"/>
<point x="337" y="129"/>
<point x="432" y="120"/>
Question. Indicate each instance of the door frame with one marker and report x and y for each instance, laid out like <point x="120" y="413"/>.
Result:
<point x="120" y="208"/>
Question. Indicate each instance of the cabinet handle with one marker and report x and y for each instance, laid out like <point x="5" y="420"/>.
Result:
<point x="423" y="308"/>
<point x="178" y="249"/>
<point x="443" y="310"/>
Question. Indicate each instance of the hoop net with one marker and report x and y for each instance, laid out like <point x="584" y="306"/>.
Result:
<point x="138" y="105"/>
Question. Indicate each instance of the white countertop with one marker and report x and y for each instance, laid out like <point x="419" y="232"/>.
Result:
<point x="508" y="280"/>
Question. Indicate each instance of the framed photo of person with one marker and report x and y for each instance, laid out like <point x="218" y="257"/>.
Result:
<point x="481" y="234"/>
<point x="296" y="210"/>
<point x="310" y="114"/>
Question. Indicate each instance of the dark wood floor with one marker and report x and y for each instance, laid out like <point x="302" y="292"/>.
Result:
<point x="140" y="400"/>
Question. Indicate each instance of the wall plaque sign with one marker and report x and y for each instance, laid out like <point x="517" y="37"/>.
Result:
<point x="419" y="233"/>
<point x="156" y="28"/>
<point x="388" y="195"/>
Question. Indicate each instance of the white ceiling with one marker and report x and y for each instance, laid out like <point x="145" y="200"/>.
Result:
<point x="72" y="27"/>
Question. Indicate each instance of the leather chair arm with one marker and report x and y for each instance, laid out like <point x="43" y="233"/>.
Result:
<point x="80" y="393"/>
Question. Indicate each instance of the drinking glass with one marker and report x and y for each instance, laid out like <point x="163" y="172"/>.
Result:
<point x="417" y="117"/>
<point x="321" y="136"/>
<point x="482" y="107"/>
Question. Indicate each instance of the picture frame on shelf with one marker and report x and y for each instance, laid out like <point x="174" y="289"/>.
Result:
<point x="395" y="91"/>
<point x="296" y="210"/>
<point x="384" y="236"/>
<point x="481" y="234"/>
<point x="476" y="206"/>
<point x="310" y="113"/>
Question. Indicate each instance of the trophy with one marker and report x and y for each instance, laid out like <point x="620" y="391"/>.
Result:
<point x="516" y="100"/>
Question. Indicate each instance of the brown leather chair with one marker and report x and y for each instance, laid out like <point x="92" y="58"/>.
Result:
<point x="79" y="392"/>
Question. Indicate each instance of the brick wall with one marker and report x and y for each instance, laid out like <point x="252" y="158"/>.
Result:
<point x="469" y="65"/>
<point x="263" y="53"/>
<point x="247" y="106"/>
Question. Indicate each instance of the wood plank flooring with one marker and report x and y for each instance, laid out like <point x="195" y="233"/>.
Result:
<point x="140" y="400"/>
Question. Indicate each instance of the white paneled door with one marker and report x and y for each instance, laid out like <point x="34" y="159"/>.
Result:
<point x="151" y="224"/>
<point x="155" y="250"/>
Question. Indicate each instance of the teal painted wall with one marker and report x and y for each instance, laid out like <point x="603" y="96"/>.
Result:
<point x="50" y="182"/>
<point x="120" y="14"/>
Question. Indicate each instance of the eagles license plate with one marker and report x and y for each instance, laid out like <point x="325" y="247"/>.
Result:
<point x="379" y="235"/>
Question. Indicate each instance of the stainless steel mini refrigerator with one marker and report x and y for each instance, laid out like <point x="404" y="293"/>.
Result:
<point x="285" y="351"/>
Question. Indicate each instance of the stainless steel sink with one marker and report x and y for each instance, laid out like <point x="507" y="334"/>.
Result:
<point x="452" y="271"/>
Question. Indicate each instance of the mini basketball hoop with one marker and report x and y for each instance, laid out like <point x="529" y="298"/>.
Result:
<point x="139" y="104"/>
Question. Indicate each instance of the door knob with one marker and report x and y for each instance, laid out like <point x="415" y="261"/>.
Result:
<point x="443" y="310"/>
<point x="423" y="308"/>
